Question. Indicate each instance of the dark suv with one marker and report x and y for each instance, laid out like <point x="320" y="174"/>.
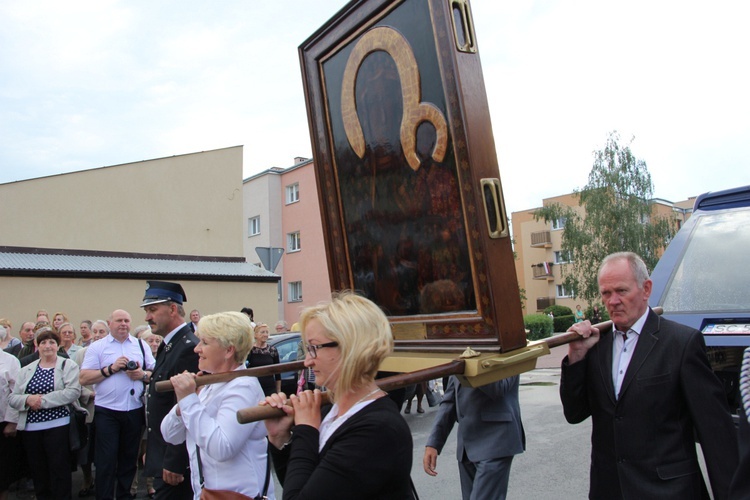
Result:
<point x="703" y="280"/>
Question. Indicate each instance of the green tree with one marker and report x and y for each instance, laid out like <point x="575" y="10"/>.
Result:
<point x="617" y="217"/>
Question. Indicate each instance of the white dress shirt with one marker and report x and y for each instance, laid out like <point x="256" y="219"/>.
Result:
<point x="622" y="351"/>
<point x="233" y="455"/>
<point x="118" y="392"/>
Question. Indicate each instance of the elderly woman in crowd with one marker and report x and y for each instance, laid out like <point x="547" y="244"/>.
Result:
<point x="43" y="391"/>
<point x="362" y="448"/>
<point x="263" y="354"/>
<point x="224" y="454"/>
<point x="68" y="339"/>
<point x="153" y="340"/>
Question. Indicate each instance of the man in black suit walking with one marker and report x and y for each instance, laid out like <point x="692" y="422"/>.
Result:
<point x="168" y="464"/>
<point x="648" y="387"/>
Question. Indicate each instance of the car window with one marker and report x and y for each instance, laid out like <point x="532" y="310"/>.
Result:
<point x="712" y="274"/>
<point x="287" y="350"/>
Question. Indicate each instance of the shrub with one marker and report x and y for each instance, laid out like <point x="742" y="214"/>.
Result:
<point x="538" y="325"/>
<point x="558" y="310"/>
<point x="562" y="323"/>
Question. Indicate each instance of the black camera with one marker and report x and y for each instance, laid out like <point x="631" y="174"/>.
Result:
<point x="132" y="365"/>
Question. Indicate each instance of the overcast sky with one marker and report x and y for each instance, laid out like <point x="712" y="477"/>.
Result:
<point x="87" y="84"/>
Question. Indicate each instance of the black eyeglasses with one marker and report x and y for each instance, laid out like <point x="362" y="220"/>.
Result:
<point x="312" y="349"/>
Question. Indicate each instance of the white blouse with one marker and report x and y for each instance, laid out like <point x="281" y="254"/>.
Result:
<point x="233" y="455"/>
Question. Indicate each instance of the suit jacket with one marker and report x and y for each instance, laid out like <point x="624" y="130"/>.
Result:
<point x="171" y="359"/>
<point x="489" y="420"/>
<point x="643" y="443"/>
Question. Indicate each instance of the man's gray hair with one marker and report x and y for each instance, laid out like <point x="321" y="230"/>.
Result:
<point x="637" y="266"/>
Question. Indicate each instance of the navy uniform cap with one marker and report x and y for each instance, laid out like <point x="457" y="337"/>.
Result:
<point x="163" y="291"/>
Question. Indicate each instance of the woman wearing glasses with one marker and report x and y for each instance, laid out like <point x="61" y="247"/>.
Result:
<point x="360" y="448"/>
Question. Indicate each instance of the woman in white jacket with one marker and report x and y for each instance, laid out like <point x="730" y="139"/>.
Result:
<point x="224" y="454"/>
<point x="43" y="391"/>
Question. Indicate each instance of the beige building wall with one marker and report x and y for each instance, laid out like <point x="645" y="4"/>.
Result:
<point x="187" y="204"/>
<point x="95" y="299"/>
<point x="182" y="205"/>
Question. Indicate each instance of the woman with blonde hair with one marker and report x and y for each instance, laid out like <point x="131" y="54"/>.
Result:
<point x="362" y="447"/>
<point x="58" y="319"/>
<point x="224" y="454"/>
<point x="263" y="354"/>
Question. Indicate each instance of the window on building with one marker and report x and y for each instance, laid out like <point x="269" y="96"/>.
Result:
<point x="293" y="243"/>
<point x="563" y="292"/>
<point x="253" y="226"/>
<point x="295" y="291"/>
<point x="292" y="193"/>
<point x="563" y="256"/>
<point x="559" y="223"/>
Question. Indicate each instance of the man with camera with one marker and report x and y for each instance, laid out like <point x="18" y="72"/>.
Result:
<point x="119" y="366"/>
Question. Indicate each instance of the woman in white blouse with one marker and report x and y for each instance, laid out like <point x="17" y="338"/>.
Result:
<point x="224" y="454"/>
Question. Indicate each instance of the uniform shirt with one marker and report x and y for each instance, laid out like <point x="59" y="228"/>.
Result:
<point x="118" y="392"/>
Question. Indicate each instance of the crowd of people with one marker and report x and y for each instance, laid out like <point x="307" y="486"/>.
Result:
<point x="43" y="390"/>
<point x="645" y="382"/>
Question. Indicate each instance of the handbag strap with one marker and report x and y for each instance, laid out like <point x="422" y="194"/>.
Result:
<point x="268" y="469"/>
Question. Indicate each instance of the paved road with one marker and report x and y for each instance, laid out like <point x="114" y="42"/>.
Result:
<point x="555" y="464"/>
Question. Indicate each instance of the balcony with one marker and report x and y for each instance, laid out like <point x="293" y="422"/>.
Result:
<point x="544" y="302"/>
<point x="543" y="271"/>
<point x="541" y="239"/>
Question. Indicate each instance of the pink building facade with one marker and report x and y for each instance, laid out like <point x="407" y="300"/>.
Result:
<point x="281" y="211"/>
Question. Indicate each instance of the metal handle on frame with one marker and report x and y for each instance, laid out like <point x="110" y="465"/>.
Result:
<point x="494" y="208"/>
<point x="463" y="26"/>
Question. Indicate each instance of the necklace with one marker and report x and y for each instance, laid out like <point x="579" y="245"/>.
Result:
<point x="366" y="396"/>
<point x="362" y="399"/>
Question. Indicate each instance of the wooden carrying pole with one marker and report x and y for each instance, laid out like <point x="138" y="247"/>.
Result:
<point x="216" y="378"/>
<point x="456" y="367"/>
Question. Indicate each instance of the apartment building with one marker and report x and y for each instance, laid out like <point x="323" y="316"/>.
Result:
<point x="281" y="211"/>
<point x="540" y="259"/>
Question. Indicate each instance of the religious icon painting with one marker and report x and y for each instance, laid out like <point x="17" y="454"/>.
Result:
<point x="407" y="173"/>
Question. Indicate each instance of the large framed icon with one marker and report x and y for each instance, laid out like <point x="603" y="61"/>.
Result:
<point x="407" y="173"/>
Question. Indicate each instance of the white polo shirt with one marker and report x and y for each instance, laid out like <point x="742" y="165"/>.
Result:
<point x="118" y="392"/>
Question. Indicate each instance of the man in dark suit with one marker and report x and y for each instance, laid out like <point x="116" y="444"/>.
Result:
<point x="649" y="389"/>
<point x="168" y="464"/>
<point x="195" y="317"/>
<point x="490" y="433"/>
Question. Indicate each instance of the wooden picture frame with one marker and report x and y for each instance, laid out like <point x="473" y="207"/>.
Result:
<point x="407" y="174"/>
